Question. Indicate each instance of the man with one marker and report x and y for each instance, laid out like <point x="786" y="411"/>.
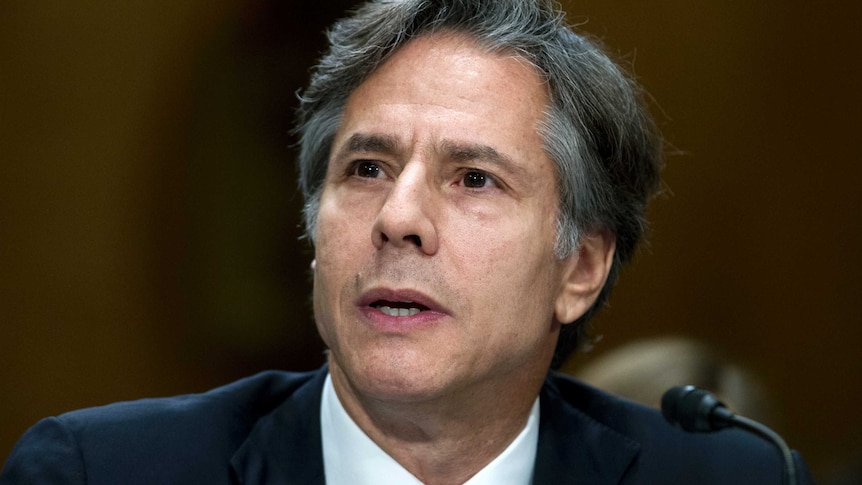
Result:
<point x="475" y="174"/>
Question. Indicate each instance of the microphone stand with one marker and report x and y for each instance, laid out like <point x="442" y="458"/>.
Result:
<point x="765" y="432"/>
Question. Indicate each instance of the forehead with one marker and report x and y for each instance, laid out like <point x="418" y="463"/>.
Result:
<point x="447" y="88"/>
<point x="450" y="51"/>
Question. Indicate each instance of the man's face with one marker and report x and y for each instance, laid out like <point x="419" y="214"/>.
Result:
<point x="435" y="270"/>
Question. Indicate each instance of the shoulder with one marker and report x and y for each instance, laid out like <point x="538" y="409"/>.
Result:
<point x="217" y="417"/>
<point x="180" y="432"/>
<point x="666" y="453"/>
<point x="240" y="402"/>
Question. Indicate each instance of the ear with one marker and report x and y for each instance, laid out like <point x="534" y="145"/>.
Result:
<point x="584" y="275"/>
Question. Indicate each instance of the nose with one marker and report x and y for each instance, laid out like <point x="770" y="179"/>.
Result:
<point x="406" y="219"/>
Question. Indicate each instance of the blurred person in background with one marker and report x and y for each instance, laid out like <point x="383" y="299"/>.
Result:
<point x="644" y="369"/>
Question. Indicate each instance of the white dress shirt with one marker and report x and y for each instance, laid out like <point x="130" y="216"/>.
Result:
<point x="350" y="457"/>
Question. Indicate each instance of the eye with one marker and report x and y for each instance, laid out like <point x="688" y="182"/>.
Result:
<point x="475" y="179"/>
<point x="367" y="169"/>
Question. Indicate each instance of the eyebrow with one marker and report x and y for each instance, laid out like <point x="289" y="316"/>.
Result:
<point x="456" y="152"/>
<point x="376" y="143"/>
<point x="482" y="153"/>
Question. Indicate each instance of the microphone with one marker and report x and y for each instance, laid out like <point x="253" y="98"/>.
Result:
<point x="696" y="410"/>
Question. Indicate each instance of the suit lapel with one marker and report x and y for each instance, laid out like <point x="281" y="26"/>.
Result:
<point x="574" y="448"/>
<point x="285" y="446"/>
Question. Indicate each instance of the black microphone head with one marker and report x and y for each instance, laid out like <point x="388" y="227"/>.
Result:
<point x="670" y="400"/>
<point x="694" y="409"/>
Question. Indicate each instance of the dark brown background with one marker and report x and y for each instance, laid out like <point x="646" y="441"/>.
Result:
<point x="148" y="217"/>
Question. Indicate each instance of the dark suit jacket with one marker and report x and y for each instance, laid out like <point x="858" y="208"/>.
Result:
<point x="265" y="429"/>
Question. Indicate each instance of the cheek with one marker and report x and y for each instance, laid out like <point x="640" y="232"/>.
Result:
<point x="511" y="267"/>
<point x="331" y="253"/>
<point x="518" y="262"/>
<point x="347" y="216"/>
<point x="336" y="226"/>
<point x="515" y="238"/>
<point x="321" y="316"/>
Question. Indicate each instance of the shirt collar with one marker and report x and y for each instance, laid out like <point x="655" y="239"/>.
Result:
<point x="351" y="457"/>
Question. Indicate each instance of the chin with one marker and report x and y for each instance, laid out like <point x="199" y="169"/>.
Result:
<point x="396" y="377"/>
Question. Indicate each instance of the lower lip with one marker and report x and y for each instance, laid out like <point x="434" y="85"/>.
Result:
<point x="386" y="323"/>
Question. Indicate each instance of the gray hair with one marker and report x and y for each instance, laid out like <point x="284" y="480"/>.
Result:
<point x="597" y="130"/>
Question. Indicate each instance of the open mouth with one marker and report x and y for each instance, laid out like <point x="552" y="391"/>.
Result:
<point x="399" y="308"/>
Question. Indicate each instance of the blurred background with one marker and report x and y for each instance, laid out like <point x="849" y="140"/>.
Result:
<point x="149" y="222"/>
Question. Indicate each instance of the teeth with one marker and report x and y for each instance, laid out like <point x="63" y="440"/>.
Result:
<point x="398" y="312"/>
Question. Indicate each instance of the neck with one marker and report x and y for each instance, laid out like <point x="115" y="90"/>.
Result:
<point x="446" y="438"/>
